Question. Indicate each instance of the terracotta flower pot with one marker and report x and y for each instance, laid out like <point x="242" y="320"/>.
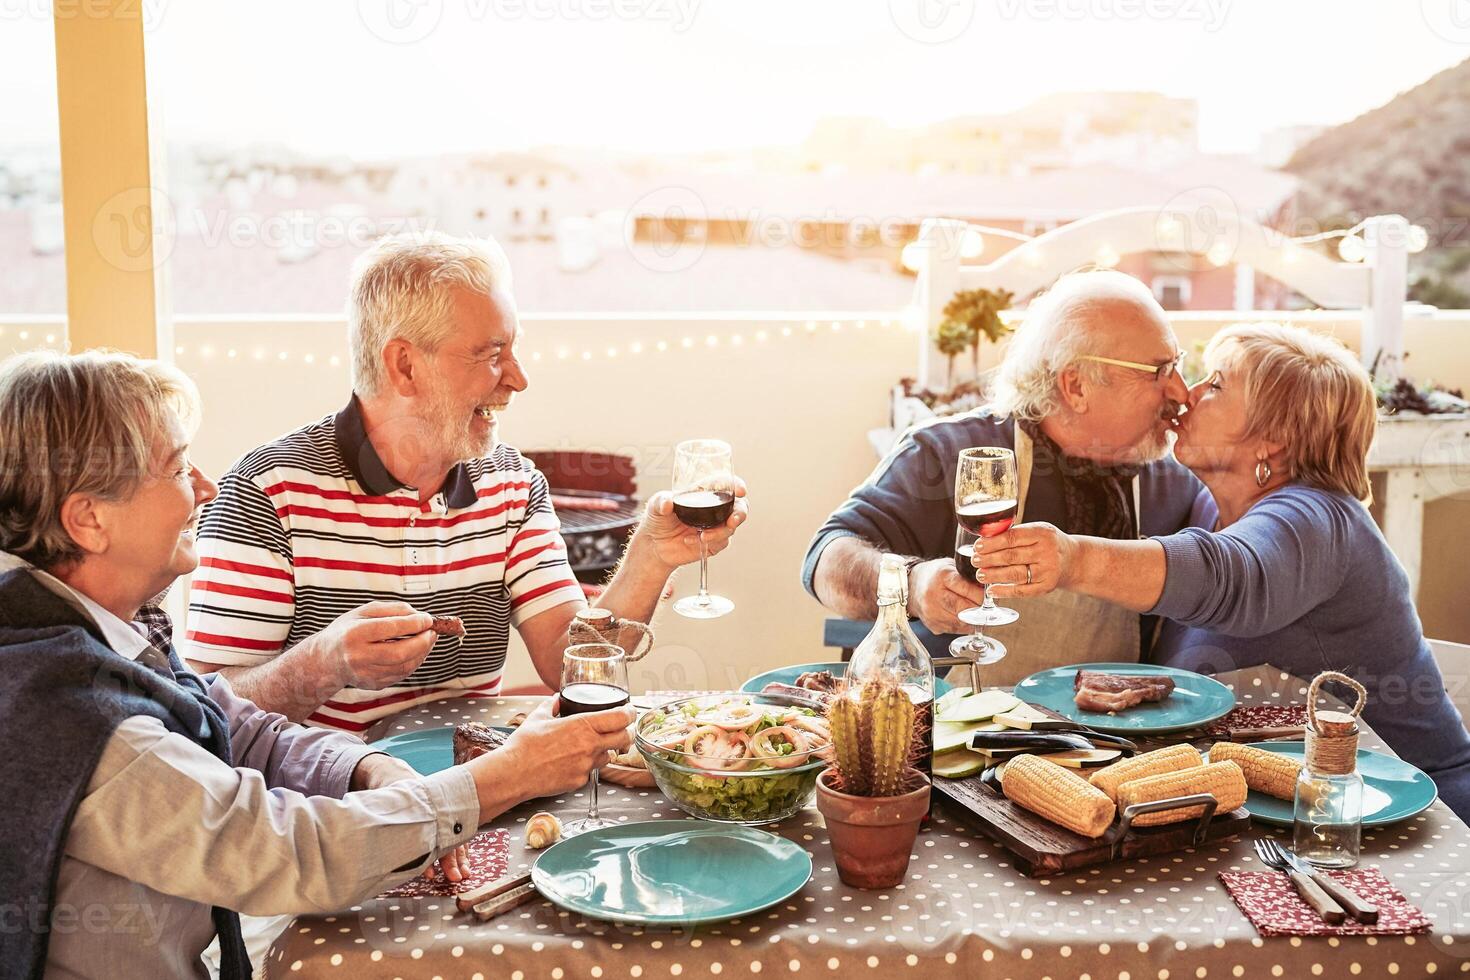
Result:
<point x="872" y="836"/>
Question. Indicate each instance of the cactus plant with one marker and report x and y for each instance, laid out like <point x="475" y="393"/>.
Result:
<point x="873" y="742"/>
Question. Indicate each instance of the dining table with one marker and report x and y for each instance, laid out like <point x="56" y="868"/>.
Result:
<point x="963" y="909"/>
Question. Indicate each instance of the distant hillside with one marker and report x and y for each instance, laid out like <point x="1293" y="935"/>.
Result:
<point x="1410" y="156"/>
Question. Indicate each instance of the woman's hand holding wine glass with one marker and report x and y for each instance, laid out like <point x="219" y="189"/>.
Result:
<point x="594" y="678"/>
<point x="555" y="754"/>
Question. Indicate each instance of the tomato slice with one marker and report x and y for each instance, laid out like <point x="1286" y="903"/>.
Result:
<point x="717" y="750"/>
<point x="766" y="747"/>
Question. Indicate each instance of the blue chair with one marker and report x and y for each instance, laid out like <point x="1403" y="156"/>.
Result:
<point x="846" y="634"/>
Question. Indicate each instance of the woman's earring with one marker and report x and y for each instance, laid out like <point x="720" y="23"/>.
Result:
<point x="1263" y="472"/>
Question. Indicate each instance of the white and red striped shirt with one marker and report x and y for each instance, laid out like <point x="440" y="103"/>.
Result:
<point x="312" y="525"/>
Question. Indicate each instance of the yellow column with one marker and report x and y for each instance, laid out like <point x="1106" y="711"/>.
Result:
<point x="116" y="224"/>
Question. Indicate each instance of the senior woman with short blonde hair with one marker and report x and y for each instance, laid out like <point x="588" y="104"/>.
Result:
<point x="1283" y="563"/>
<point x="146" y="807"/>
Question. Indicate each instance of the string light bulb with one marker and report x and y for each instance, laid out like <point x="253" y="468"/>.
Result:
<point x="972" y="243"/>
<point x="1418" y="239"/>
<point x="1352" y="248"/>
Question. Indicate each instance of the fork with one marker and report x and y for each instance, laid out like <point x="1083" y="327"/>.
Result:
<point x="1271" y="855"/>
<point x="1351" y="901"/>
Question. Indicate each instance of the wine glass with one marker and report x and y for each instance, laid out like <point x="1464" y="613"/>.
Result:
<point x="985" y="505"/>
<point x="977" y="648"/>
<point x="594" y="677"/>
<point x="704" y="498"/>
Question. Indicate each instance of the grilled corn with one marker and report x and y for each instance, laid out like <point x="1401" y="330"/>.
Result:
<point x="1264" y="771"/>
<point x="1174" y="758"/>
<point x="1222" y="780"/>
<point x="1057" y="794"/>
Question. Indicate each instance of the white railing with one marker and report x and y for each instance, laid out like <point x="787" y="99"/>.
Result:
<point x="1376" y="288"/>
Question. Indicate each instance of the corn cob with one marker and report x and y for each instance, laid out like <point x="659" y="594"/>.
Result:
<point x="1058" y="794"/>
<point x="1222" y="780"/>
<point x="1175" y="757"/>
<point x="1264" y="771"/>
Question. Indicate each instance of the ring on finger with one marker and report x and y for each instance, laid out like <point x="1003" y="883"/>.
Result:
<point x="1028" y="574"/>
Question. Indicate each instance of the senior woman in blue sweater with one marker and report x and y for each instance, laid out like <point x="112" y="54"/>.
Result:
<point x="1283" y="563"/>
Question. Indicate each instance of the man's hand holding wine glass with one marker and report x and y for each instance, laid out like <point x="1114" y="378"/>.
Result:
<point x="938" y="593"/>
<point x="676" y="543"/>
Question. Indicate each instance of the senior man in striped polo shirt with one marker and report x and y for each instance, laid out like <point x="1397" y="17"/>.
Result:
<point x="328" y="551"/>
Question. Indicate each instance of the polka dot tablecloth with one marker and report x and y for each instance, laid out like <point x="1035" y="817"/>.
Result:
<point x="962" y="911"/>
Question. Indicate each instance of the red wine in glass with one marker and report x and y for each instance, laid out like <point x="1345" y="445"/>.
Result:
<point x="582" y="697"/>
<point x="704" y="509"/>
<point x="962" y="562"/>
<point x="987" y="518"/>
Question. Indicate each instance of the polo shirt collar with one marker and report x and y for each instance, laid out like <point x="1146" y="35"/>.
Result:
<point x="363" y="461"/>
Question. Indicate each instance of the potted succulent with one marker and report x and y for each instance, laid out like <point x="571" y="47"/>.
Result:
<point x="871" y="797"/>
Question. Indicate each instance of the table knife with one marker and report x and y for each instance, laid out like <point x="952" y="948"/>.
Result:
<point x="1352" y="903"/>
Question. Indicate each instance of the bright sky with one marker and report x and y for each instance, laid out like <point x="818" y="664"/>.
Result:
<point x="390" y="77"/>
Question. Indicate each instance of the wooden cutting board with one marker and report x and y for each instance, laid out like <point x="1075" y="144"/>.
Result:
<point x="1042" y="848"/>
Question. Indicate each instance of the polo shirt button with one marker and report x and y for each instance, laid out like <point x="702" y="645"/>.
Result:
<point x="458" y="827"/>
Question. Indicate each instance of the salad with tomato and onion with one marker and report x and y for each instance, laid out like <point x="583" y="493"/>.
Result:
<point x="734" y="758"/>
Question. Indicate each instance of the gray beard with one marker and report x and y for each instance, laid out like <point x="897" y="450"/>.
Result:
<point x="455" y="436"/>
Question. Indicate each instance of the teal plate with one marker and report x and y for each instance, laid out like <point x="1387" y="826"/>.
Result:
<point x="428" y="751"/>
<point x="788" y="675"/>
<point x="1393" y="790"/>
<point x="671" y="872"/>
<point x="1197" y="699"/>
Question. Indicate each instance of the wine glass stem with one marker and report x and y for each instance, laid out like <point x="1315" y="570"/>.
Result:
<point x="703" y="570"/>
<point x="592" y="794"/>
<point x="989" y="603"/>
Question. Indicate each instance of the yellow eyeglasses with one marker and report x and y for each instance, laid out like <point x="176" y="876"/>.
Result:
<point x="1161" y="372"/>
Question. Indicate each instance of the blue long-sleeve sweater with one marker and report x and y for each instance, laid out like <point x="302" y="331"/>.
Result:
<point x="1305" y="581"/>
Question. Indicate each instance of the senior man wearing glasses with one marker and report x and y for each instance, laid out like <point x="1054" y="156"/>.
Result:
<point x="1086" y="398"/>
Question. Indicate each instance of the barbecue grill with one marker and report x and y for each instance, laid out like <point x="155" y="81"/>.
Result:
<point x="595" y="538"/>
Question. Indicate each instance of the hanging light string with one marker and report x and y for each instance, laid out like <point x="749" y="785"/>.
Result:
<point x="634" y="348"/>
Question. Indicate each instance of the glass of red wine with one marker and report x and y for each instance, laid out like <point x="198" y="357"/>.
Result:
<point x="976" y="647"/>
<point x="594" y="677"/>
<point x="985" y="493"/>
<point x="704" y="498"/>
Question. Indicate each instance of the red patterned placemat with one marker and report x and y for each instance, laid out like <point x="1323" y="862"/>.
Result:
<point x="1259" y="716"/>
<point x="489" y="860"/>
<point x="1271" y="903"/>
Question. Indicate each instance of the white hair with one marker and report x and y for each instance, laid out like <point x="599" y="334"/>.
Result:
<point x="402" y="289"/>
<point x="1057" y="331"/>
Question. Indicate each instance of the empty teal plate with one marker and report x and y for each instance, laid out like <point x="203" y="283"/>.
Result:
<point x="1393" y="790"/>
<point x="1196" y="700"/>
<point x="671" y="872"/>
<point x="428" y="751"/>
<point x="788" y="675"/>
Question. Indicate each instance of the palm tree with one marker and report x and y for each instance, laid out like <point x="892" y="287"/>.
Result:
<point x="951" y="337"/>
<point x="975" y="315"/>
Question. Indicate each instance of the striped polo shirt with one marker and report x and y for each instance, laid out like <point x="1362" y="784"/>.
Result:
<point x="312" y="525"/>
